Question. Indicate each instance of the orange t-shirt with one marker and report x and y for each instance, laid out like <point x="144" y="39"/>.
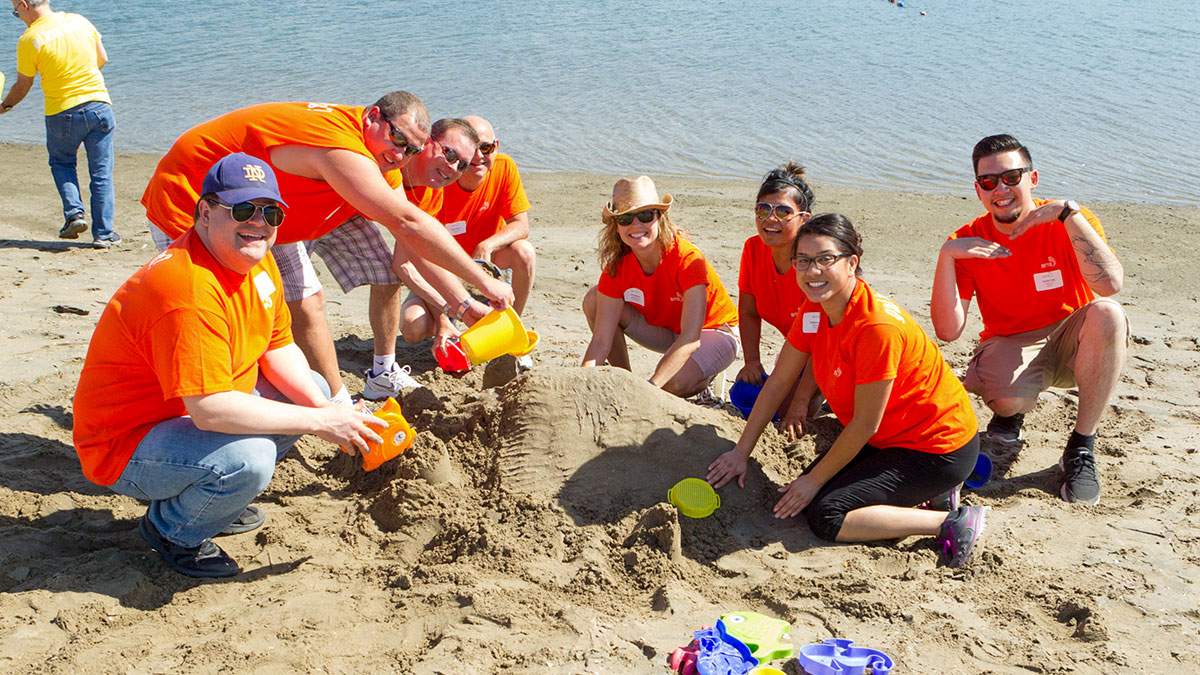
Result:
<point x="474" y="216"/>
<point x="182" y="325"/>
<point x="659" y="296"/>
<point x="777" y="297"/>
<point x="1039" y="285"/>
<point x="928" y="410"/>
<point x="314" y="207"/>
<point x="426" y="198"/>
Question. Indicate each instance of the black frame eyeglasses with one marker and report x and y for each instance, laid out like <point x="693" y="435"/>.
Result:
<point x="824" y="261"/>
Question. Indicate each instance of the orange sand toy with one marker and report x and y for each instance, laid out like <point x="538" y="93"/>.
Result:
<point x="497" y="334"/>
<point x="397" y="438"/>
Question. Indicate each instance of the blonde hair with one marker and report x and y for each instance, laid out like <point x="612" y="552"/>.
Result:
<point x="612" y="249"/>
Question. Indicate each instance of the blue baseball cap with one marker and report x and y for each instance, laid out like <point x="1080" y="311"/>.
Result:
<point x="239" y="178"/>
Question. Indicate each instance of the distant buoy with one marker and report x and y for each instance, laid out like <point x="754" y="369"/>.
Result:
<point x="924" y="13"/>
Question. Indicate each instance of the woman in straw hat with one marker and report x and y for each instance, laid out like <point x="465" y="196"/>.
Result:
<point x="657" y="288"/>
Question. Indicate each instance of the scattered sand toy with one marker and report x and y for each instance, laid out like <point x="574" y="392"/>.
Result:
<point x="838" y="656"/>
<point x="743" y="396"/>
<point x="741" y="643"/>
<point x="397" y="438"/>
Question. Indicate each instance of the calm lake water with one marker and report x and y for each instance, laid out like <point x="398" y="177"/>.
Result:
<point x="862" y="92"/>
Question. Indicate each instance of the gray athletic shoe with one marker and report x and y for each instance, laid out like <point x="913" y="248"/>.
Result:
<point x="73" y="228"/>
<point x="1080" y="481"/>
<point x="959" y="534"/>
<point x="1006" y="430"/>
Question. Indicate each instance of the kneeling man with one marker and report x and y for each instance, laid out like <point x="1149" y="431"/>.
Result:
<point x="192" y="388"/>
<point x="1037" y="268"/>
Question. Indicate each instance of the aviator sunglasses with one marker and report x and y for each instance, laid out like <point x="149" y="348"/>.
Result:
<point x="763" y="210"/>
<point x="990" y="181"/>
<point x="400" y="140"/>
<point x="272" y="214"/>
<point x="646" y="216"/>
<point x="457" y="163"/>
<point x="488" y="148"/>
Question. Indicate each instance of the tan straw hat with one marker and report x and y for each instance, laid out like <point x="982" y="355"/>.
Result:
<point x="634" y="195"/>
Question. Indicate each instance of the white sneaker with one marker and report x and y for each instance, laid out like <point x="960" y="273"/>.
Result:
<point x="388" y="383"/>
<point x="525" y="363"/>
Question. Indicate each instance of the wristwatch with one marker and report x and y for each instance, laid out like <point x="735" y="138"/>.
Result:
<point x="1070" y="208"/>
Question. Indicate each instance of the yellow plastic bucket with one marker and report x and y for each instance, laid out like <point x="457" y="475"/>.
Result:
<point x="497" y="334"/>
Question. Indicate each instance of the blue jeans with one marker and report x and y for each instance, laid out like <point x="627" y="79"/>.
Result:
<point x="92" y="125"/>
<point x="198" y="482"/>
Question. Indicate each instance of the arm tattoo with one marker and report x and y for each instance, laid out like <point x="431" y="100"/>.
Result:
<point x="1094" y="258"/>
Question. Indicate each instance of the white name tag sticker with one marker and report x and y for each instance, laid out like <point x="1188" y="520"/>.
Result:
<point x="457" y="227"/>
<point x="1045" y="281"/>
<point x="266" y="288"/>
<point x="635" y="296"/>
<point x="811" y="321"/>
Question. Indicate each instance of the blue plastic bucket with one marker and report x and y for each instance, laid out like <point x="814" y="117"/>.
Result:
<point x="743" y="395"/>
<point x="982" y="473"/>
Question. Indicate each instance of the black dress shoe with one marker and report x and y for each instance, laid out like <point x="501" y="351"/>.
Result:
<point x="252" y="518"/>
<point x="206" y="561"/>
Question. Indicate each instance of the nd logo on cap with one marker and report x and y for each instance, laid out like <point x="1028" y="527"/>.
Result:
<point x="254" y="172"/>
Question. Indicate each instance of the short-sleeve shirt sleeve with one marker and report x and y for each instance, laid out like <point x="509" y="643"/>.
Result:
<point x="877" y="353"/>
<point x="692" y="270"/>
<point x="189" y="349"/>
<point x="26" y="57"/>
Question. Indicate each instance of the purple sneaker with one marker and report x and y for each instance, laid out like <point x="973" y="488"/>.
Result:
<point x="959" y="533"/>
<point x="947" y="501"/>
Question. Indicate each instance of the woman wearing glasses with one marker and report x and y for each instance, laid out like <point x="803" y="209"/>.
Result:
<point x="657" y="288"/>
<point x="767" y="287"/>
<point x="909" y="431"/>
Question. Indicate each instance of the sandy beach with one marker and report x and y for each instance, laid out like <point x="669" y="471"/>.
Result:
<point x="525" y="532"/>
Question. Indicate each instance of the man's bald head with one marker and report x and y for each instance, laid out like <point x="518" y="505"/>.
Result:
<point x="482" y="127"/>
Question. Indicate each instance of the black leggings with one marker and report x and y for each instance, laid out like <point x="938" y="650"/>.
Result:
<point x="891" y="476"/>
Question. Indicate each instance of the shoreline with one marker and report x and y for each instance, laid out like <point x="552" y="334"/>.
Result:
<point x="965" y="192"/>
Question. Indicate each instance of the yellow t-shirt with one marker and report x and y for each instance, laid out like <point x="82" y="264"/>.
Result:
<point x="65" y="49"/>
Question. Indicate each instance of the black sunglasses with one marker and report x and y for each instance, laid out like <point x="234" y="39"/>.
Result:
<point x="400" y="140"/>
<point x="991" y="181"/>
<point x="646" y="216"/>
<point x="272" y="214"/>
<point x="489" y="148"/>
<point x="457" y="163"/>
<point x="763" y="210"/>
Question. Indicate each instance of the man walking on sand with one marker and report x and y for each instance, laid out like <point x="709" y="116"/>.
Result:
<point x="192" y="388"/>
<point x="66" y="50"/>
<point x="333" y="162"/>
<point x="1036" y="267"/>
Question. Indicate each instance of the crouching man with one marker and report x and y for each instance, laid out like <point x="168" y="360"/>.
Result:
<point x="192" y="388"/>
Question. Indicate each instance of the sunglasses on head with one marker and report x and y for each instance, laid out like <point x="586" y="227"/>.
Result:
<point x="991" y="181"/>
<point x="272" y="214"/>
<point x="400" y="140"/>
<point x="457" y="163"/>
<point x="489" y="147"/>
<point x="646" y="216"/>
<point x="763" y="210"/>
